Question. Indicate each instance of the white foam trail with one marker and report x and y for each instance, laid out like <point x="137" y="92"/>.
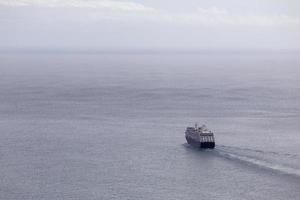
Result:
<point x="279" y="167"/>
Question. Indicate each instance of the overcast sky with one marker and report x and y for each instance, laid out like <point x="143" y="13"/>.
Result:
<point x="150" y="24"/>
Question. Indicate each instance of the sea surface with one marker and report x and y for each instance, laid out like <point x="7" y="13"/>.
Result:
<point x="77" y="126"/>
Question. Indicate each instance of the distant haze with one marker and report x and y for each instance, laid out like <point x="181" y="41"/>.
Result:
<point x="145" y="24"/>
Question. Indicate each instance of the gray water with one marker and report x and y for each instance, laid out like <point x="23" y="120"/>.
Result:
<point x="111" y="126"/>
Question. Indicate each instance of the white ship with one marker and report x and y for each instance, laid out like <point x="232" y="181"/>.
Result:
<point x="200" y="137"/>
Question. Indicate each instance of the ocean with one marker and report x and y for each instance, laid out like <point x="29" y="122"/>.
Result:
<point x="108" y="126"/>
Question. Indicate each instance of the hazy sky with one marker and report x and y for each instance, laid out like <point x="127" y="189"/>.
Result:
<point x="150" y="24"/>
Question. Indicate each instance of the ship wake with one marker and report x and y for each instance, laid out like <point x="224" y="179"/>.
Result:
<point x="277" y="162"/>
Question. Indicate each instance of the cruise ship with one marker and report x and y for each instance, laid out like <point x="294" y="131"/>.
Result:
<point x="200" y="137"/>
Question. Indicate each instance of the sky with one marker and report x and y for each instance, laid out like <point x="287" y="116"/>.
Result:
<point x="149" y="24"/>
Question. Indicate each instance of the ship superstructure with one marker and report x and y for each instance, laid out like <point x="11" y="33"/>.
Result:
<point x="200" y="137"/>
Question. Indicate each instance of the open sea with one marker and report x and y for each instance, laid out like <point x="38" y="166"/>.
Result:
<point x="111" y="126"/>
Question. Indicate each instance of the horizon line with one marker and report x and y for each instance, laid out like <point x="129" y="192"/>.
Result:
<point x="4" y="50"/>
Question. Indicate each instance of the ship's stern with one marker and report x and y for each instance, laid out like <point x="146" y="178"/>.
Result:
<point x="207" y="145"/>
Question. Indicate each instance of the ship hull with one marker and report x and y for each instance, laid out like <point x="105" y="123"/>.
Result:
<point x="203" y="145"/>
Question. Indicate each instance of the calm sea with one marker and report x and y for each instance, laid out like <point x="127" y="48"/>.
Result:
<point x="111" y="126"/>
